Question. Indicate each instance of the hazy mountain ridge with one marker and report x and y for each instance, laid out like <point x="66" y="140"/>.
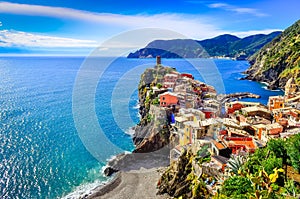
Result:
<point x="221" y="46"/>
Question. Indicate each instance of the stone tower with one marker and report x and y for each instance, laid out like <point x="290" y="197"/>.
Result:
<point x="290" y="88"/>
<point x="158" y="60"/>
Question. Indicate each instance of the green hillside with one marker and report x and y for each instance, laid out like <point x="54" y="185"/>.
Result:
<point x="223" y="45"/>
<point x="279" y="60"/>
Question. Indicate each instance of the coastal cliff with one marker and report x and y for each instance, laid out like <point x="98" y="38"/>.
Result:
<point x="180" y="180"/>
<point x="278" y="60"/>
<point x="152" y="133"/>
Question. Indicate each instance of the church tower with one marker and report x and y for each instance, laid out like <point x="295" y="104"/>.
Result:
<point x="290" y="88"/>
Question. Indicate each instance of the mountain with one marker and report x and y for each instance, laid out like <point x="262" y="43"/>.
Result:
<point x="223" y="45"/>
<point x="279" y="60"/>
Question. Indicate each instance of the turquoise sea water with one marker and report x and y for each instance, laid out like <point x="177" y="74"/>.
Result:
<point x="41" y="153"/>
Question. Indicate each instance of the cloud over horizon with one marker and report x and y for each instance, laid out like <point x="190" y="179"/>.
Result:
<point x="192" y="26"/>
<point x="11" y="38"/>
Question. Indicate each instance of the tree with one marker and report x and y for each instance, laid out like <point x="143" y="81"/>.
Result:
<point x="159" y="85"/>
<point x="236" y="187"/>
<point x="277" y="146"/>
<point x="293" y="150"/>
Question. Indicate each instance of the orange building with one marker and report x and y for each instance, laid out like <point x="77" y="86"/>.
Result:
<point x="168" y="99"/>
<point x="274" y="129"/>
<point x="276" y="102"/>
<point x="259" y="128"/>
<point x="234" y="107"/>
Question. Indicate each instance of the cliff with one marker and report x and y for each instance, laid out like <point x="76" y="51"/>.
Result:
<point x="223" y="45"/>
<point x="179" y="180"/>
<point x="278" y="60"/>
<point x="152" y="133"/>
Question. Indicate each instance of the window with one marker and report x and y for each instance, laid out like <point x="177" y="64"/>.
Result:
<point x="163" y="98"/>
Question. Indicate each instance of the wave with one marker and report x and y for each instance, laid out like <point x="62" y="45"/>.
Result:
<point x="89" y="188"/>
<point x="265" y="83"/>
<point x="85" y="190"/>
<point x="137" y="105"/>
<point x="114" y="157"/>
<point x="130" y="131"/>
<point x="266" y="88"/>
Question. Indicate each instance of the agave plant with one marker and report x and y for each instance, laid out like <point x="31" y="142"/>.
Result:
<point x="235" y="163"/>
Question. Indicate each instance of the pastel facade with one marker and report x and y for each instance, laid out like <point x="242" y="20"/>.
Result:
<point x="170" y="80"/>
<point x="231" y="107"/>
<point x="188" y="126"/>
<point x="257" y="111"/>
<point x="168" y="99"/>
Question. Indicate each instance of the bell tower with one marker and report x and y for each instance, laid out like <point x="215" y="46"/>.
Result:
<point x="290" y="88"/>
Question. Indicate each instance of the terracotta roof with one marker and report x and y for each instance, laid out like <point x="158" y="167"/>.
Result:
<point x="219" y="145"/>
<point x="248" y="144"/>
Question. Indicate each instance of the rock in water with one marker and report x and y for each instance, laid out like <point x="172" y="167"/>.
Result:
<point x="108" y="171"/>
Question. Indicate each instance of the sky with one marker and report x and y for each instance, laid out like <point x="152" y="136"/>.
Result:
<point x="78" y="27"/>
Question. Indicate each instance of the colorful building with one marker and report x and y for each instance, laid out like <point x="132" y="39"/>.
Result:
<point x="275" y="102"/>
<point x="187" y="75"/>
<point x="168" y="99"/>
<point x="257" y="111"/>
<point x="231" y="107"/>
<point x="274" y="129"/>
<point x="170" y="80"/>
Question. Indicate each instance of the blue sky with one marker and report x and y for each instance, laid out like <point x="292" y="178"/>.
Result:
<point x="81" y="25"/>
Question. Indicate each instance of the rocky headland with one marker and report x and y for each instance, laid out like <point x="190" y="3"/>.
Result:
<point x="227" y="45"/>
<point x="152" y="135"/>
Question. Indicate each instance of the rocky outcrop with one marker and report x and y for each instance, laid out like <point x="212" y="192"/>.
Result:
<point x="152" y="133"/>
<point x="180" y="180"/>
<point x="155" y="134"/>
<point x="151" y="137"/>
<point x="279" y="60"/>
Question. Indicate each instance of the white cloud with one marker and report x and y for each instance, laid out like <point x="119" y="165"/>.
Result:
<point x="191" y="25"/>
<point x="239" y="10"/>
<point x="218" y="5"/>
<point x="11" y="38"/>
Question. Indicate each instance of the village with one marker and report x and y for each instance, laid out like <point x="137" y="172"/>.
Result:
<point x="216" y="130"/>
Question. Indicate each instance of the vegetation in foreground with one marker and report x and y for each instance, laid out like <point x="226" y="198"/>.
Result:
<point x="271" y="172"/>
<point x="265" y="174"/>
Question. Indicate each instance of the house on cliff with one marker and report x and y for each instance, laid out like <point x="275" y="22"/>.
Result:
<point x="168" y="99"/>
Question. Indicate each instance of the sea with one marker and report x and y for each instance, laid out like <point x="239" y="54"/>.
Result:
<point x="63" y="118"/>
